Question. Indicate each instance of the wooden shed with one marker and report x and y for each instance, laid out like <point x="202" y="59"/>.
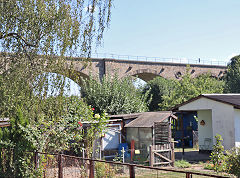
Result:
<point x="152" y="130"/>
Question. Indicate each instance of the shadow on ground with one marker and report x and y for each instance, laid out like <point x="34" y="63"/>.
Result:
<point x="192" y="156"/>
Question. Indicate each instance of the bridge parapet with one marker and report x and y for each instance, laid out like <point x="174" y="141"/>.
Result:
<point x="160" y="59"/>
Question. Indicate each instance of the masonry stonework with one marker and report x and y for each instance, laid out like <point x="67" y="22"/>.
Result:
<point x="144" y="70"/>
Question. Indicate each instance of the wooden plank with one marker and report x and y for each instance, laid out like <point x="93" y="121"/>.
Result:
<point x="163" y="157"/>
<point x="151" y="156"/>
<point x="161" y="150"/>
<point x="161" y="163"/>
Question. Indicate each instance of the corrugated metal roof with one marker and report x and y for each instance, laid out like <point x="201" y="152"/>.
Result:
<point x="147" y="119"/>
<point x="125" y="116"/>
<point x="232" y="99"/>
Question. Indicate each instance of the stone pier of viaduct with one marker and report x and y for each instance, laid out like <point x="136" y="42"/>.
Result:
<point x="142" y="69"/>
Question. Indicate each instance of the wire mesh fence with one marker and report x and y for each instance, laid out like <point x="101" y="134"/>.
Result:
<point x="66" y="166"/>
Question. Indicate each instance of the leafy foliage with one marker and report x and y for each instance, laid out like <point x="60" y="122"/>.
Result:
<point x="31" y="33"/>
<point x="113" y="95"/>
<point x="156" y="89"/>
<point x="53" y="26"/>
<point x="189" y="87"/>
<point x="50" y="133"/>
<point x="104" y="170"/>
<point x="217" y="155"/>
<point x="233" y="75"/>
<point x="233" y="161"/>
<point x="182" y="164"/>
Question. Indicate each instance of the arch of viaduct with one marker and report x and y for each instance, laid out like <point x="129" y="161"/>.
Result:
<point x="142" y="69"/>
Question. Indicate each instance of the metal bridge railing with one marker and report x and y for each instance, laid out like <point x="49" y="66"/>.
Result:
<point x="158" y="59"/>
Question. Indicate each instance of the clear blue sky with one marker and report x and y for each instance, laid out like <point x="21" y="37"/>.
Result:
<point x="206" y="29"/>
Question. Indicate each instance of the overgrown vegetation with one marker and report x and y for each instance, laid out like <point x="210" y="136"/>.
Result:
<point x="217" y="155"/>
<point x="233" y="162"/>
<point x="167" y="94"/>
<point x="156" y="89"/>
<point x="233" y="76"/>
<point x="114" y="95"/>
<point x="220" y="162"/>
<point x="182" y="164"/>
<point x="32" y="33"/>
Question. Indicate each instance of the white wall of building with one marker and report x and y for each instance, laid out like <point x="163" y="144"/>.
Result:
<point x="205" y="132"/>
<point x="112" y="137"/>
<point x="223" y="120"/>
<point x="237" y="129"/>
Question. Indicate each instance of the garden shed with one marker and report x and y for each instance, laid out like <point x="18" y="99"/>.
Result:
<point x="150" y="128"/>
<point x="217" y="114"/>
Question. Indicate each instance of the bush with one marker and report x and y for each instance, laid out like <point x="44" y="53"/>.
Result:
<point x="104" y="170"/>
<point x="209" y="166"/>
<point x="182" y="164"/>
<point x="217" y="155"/>
<point x="114" y="95"/>
<point x="233" y="162"/>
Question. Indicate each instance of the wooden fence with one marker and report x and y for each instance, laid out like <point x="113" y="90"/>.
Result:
<point x="162" y="154"/>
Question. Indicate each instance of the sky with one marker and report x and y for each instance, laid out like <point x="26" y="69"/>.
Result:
<point x="187" y="29"/>
<point x="206" y="29"/>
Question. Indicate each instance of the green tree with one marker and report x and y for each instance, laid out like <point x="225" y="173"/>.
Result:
<point x="31" y="33"/>
<point x="113" y="95"/>
<point x="233" y="76"/>
<point x="53" y="26"/>
<point x="51" y="133"/>
<point x="156" y="88"/>
<point x="189" y="87"/>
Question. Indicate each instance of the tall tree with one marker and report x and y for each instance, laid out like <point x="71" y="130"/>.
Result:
<point x="53" y="26"/>
<point x="156" y="88"/>
<point x="32" y="34"/>
<point x="189" y="87"/>
<point x="233" y="75"/>
<point x="114" y="95"/>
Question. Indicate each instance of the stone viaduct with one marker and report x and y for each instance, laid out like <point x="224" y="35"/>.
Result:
<point x="142" y="69"/>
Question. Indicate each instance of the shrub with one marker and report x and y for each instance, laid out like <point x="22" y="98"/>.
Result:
<point x="209" y="166"/>
<point x="104" y="170"/>
<point x="217" y="155"/>
<point x="182" y="164"/>
<point x="233" y="162"/>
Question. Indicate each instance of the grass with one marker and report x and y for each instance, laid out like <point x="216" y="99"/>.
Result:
<point x="182" y="164"/>
<point x="142" y="173"/>
<point x="159" y="174"/>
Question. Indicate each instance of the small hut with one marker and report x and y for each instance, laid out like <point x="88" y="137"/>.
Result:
<point x="150" y="129"/>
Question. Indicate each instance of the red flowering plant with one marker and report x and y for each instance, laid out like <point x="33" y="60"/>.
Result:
<point x="78" y="113"/>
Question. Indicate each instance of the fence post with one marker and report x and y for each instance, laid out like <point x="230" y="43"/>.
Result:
<point x="188" y="175"/>
<point x="151" y="156"/>
<point x="36" y="159"/>
<point x="60" y="168"/>
<point x="173" y="154"/>
<point x="91" y="172"/>
<point x="132" y="171"/>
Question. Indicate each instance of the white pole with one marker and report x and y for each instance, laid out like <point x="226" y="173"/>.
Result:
<point x="123" y="154"/>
